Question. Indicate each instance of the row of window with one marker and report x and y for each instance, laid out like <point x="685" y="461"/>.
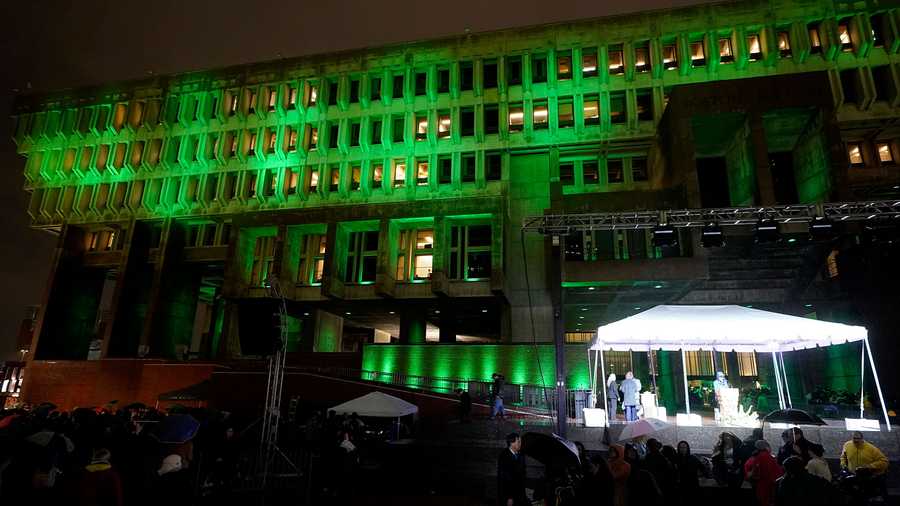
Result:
<point x="612" y="170"/>
<point x="697" y="363"/>
<point x="862" y="154"/>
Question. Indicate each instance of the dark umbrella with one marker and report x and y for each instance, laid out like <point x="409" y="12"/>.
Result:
<point x="135" y="405"/>
<point x="552" y="451"/>
<point x="793" y="417"/>
<point x="176" y="428"/>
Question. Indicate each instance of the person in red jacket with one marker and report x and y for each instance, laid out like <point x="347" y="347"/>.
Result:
<point x="762" y="470"/>
<point x="98" y="484"/>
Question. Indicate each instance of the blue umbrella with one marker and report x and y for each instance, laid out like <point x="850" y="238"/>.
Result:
<point x="176" y="428"/>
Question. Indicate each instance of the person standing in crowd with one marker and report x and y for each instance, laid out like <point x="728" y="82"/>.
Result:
<point x="497" y="395"/>
<point x="761" y="470"/>
<point x="859" y="454"/>
<point x="511" y="474"/>
<point x="794" y="444"/>
<point x="612" y="396"/>
<point x="465" y="405"/>
<point x="98" y="483"/>
<point x="817" y="466"/>
<point x="661" y="468"/>
<point x="689" y="469"/>
<point x="597" y="488"/>
<point x="631" y="391"/>
<point x="728" y="469"/>
<point x="799" y="488"/>
<point x="620" y="470"/>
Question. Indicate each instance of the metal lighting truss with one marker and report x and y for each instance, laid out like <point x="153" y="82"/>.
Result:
<point x="562" y="224"/>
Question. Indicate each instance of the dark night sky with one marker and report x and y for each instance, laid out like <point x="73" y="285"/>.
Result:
<point x="57" y="44"/>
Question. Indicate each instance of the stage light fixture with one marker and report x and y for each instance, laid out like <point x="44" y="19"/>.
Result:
<point x="767" y="231"/>
<point x="821" y="229"/>
<point x="664" y="235"/>
<point x="880" y="233"/>
<point x="712" y="236"/>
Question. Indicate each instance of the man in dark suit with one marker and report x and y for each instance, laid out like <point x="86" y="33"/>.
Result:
<point x="511" y="474"/>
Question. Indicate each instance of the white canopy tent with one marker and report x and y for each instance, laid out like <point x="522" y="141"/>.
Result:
<point x="377" y="404"/>
<point x="726" y="328"/>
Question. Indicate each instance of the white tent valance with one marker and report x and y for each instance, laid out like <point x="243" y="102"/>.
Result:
<point x="721" y="328"/>
<point x="377" y="404"/>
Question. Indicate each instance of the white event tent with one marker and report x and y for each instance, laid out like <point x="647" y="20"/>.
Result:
<point x="726" y="328"/>
<point x="377" y="404"/>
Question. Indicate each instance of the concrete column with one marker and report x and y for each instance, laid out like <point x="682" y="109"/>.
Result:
<point x="329" y="331"/>
<point x="412" y="326"/>
<point x="164" y="258"/>
<point x="447" y="324"/>
<point x="765" y="187"/>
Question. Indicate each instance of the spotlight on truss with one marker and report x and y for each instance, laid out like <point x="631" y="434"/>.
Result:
<point x="665" y="235"/>
<point x="821" y="229"/>
<point x="712" y="236"/>
<point x="767" y="231"/>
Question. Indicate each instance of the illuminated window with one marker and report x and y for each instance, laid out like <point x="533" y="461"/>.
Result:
<point x="642" y="57"/>
<point x="421" y="127"/>
<point x="591" y="110"/>
<point x="312" y="138"/>
<point x="399" y="173"/>
<point x="670" y="57"/>
<point x="443" y="125"/>
<point x="564" y="65"/>
<point x="589" y="62"/>
<point x="292" y="98"/>
<point x="250" y="186"/>
<point x="377" y="175"/>
<point x="312" y="95"/>
<point x="273" y="98"/>
<point x="335" y="173"/>
<point x="784" y="44"/>
<point x="567" y="173"/>
<point x="312" y="259"/>
<point x="885" y="156"/>
<point x="93" y="241"/>
<point x="698" y="54"/>
<point x="815" y="41"/>
<point x="754" y="49"/>
<point x="700" y="363"/>
<point x="272" y="138"/>
<point x="292" y="139"/>
<point x="313" y="181"/>
<point x="590" y="172"/>
<point x="566" y="113"/>
<point x="293" y="180"/>
<point x="110" y="241"/>
<point x="251" y="102"/>
<point x="516" y="118"/>
<point x="355" y="178"/>
<point x="854" y="151"/>
<point x="541" y="115"/>
<point x="263" y="259"/>
<point x="362" y="257"/>
<point x="415" y="254"/>
<point x="580" y="337"/>
<point x="470" y="252"/>
<point x="844" y="35"/>
<point x="422" y="172"/>
<point x="617" y="362"/>
<point x="832" y="264"/>
<point x="726" y="54"/>
<point x="251" y="144"/>
<point x="747" y="363"/>
<point x="616" y="60"/>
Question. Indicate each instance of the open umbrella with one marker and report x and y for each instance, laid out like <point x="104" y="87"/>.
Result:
<point x="176" y="428"/>
<point x="44" y="437"/>
<point x="552" y="451"/>
<point x="793" y="417"/>
<point x="642" y="427"/>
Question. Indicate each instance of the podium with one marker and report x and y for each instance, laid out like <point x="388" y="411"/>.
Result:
<point x="650" y="408"/>
<point x="594" y="417"/>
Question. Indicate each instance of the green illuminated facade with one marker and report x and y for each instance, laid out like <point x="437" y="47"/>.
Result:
<point x="385" y="187"/>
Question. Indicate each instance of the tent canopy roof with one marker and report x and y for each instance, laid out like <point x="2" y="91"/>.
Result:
<point x="377" y="404"/>
<point x="721" y="328"/>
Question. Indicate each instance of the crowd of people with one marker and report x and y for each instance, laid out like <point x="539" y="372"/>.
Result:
<point x="644" y="472"/>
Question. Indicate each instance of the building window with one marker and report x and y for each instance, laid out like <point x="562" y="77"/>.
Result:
<point x="639" y="169"/>
<point x="516" y="117"/>
<point x="726" y="54"/>
<point x="421" y="83"/>
<point x="271" y="140"/>
<point x="354" y="91"/>
<point x="754" y="48"/>
<point x="746" y="363"/>
<point x="377" y="175"/>
<point x="591" y="110"/>
<point x="670" y="56"/>
<point x="844" y="35"/>
<point x="642" y="57"/>
<point x="881" y="76"/>
<point x="444" y="123"/>
<point x="564" y="65"/>
<point x="362" y="257"/>
<point x="313" y="181"/>
<point x="614" y="171"/>
<point x="467" y="170"/>
<point x="467" y="121"/>
<point x="470" y="252"/>
<point x="540" y="115"/>
<point x="397" y="125"/>
<point x="397" y="86"/>
<point x="293" y="181"/>
<point x="415" y="254"/>
<point x="292" y="98"/>
<point x="250" y="188"/>
<point x="784" y="44"/>
<point x="263" y="259"/>
<point x="513" y="70"/>
<point x="273" y="98"/>
<point x="421" y="127"/>
<point x="877" y="22"/>
<point x="490" y="74"/>
<point x="590" y="172"/>
<point x="493" y="166"/>
<point x="567" y="173"/>
<point x="589" y="62"/>
<point x="698" y="54"/>
<point x="335" y="173"/>
<point x="538" y="68"/>
<point x="421" y="172"/>
<point x="854" y="151"/>
<point x="375" y="89"/>
<point x="312" y="139"/>
<point x="885" y="156"/>
<point x="355" y="130"/>
<point x="849" y="84"/>
<point x="251" y="145"/>
<point x="831" y="261"/>
<point x="445" y="170"/>
<point x="566" y="113"/>
<point x="292" y="139"/>
<point x="580" y="337"/>
<point x="616" y="60"/>
<point x="443" y="84"/>
<point x="466" y="76"/>
<point x="618" y="113"/>
<point x="355" y="178"/>
<point x="491" y="119"/>
<point x="375" y="131"/>
<point x="312" y="95"/>
<point x="399" y="179"/>
<point x="700" y="363"/>
<point x="332" y="92"/>
<point x="644" y="105"/>
<point x="312" y="259"/>
<point x="815" y="41"/>
<point x="251" y="102"/>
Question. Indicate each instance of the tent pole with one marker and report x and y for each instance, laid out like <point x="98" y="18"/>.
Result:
<point x="787" y="387"/>
<point x="778" y="380"/>
<point x="591" y="378"/>
<point x="603" y="375"/>
<point x="862" y="379"/>
<point x="595" y="378"/>
<point x="887" y="420"/>
<point x="687" y="397"/>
